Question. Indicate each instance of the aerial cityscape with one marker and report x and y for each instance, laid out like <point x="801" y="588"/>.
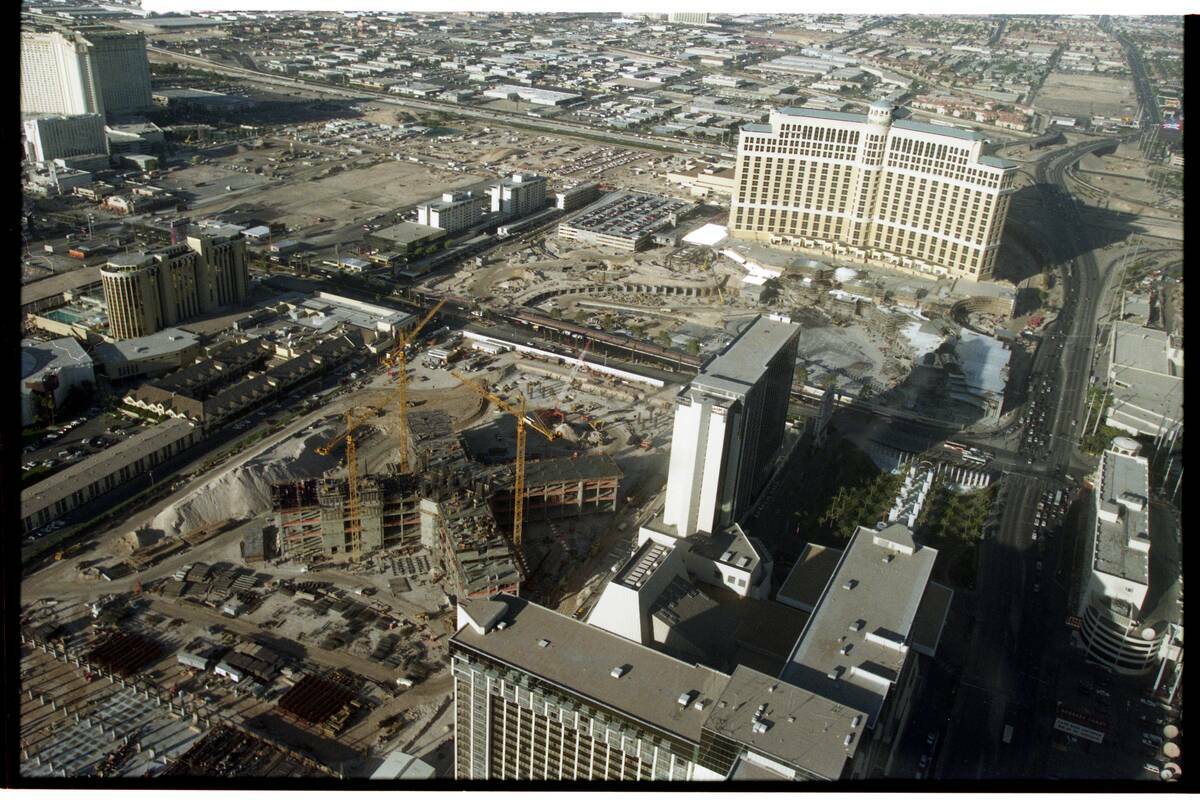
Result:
<point x="730" y="397"/>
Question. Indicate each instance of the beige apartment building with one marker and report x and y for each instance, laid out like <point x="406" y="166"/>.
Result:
<point x="892" y="192"/>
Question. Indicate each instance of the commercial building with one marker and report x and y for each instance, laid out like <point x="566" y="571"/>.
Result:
<point x="728" y="428"/>
<point x="705" y="181"/>
<point x="408" y="238"/>
<point x="51" y="137"/>
<point x="886" y="191"/>
<point x="89" y="479"/>
<point x="539" y="97"/>
<point x="135" y="137"/>
<point x="236" y="378"/>
<point x="539" y="695"/>
<point x="624" y="220"/>
<point x="577" y="196"/>
<point x="49" y="371"/>
<point x="453" y="213"/>
<point x="92" y="70"/>
<point x="147" y="291"/>
<point x="1145" y="370"/>
<point x="166" y="350"/>
<point x="1128" y="608"/>
<point x="857" y="649"/>
<point x="201" y="100"/>
<point x="53" y="291"/>
<point x="518" y="195"/>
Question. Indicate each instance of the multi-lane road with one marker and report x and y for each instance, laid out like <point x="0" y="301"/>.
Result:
<point x="490" y="115"/>
<point x="1007" y="667"/>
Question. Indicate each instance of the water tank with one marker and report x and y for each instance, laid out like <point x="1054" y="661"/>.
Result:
<point x="1126" y="445"/>
<point x="1170" y="732"/>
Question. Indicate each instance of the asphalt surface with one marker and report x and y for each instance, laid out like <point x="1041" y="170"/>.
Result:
<point x="1010" y="669"/>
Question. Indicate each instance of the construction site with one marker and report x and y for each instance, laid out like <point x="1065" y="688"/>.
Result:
<point x="287" y="613"/>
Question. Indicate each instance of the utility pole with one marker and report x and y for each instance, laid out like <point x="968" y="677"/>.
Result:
<point x="1166" y="474"/>
<point x="1100" y="413"/>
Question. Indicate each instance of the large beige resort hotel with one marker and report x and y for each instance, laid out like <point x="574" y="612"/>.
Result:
<point x="893" y="192"/>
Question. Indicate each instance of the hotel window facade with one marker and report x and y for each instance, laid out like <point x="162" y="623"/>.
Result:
<point x="892" y="192"/>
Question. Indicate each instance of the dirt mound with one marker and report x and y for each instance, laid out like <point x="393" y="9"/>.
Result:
<point x="245" y="490"/>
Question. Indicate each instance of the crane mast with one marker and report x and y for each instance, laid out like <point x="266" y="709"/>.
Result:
<point x="523" y="419"/>
<point x="399" y="358"/>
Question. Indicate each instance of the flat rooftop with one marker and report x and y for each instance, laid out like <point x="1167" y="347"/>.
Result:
<point x="168" y="340"/>
<point x="67" y="481"/>
<point x="1143" y="349"/>
<point x="804" y="584"/>
<point x="944" y="130"/>
<point x="802" y="728"/>
<point x="628" y="214"/>
<point x="57" y="284"/>
<point x="1123" y="476"/>
<point x="38" y="357"/>
<point x="408" y="232"/>
<point x="856" y="641"/>
<point x="732" y="373"/>
<point x="580" y="659"/>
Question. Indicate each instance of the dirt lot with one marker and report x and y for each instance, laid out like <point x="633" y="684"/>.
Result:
<point x="1069" y="93"/>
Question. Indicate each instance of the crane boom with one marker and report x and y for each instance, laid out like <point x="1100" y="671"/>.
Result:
<point x="523" y="419"/>
<point x="399" y="358"/>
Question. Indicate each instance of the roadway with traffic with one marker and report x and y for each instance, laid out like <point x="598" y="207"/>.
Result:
<point x="1017" y="631"/>
<point x="488" y="114"/>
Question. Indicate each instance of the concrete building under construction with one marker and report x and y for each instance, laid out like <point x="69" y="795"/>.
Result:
<point x="458" y="509"/>
<point x="311" y="518"/>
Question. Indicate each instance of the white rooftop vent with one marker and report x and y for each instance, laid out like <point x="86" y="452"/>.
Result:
<point x="857" y="719"/>
<point x="543" y="642"/>
<point x="686" y="697"/>
<point x="619" y="671"/>
<point x="700" y="704"/>
<point x="501" y="625"/>
<point x="850" y="584"/>
<point x="727" y="555"/>
<point x="846" y="648"/>
<point x="857" y="625"/>
<point x="835" y="673"/>
<point x="888" y="558"/>
<point x="745" y="561"/>
<point x="759" y="727"/>
<point x="849" y="738"/>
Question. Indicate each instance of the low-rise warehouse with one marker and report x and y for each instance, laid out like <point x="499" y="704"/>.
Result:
<point x="92" y="477"/>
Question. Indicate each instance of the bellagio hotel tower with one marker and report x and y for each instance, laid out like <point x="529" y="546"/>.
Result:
<point x="895" y="192"/>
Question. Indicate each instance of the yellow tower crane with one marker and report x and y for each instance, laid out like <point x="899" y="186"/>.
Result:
<point x="708" y="265"/>
<point x="523" y="419"/>
<point x="398" y="359"/>
<point x="353" y="509"/>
